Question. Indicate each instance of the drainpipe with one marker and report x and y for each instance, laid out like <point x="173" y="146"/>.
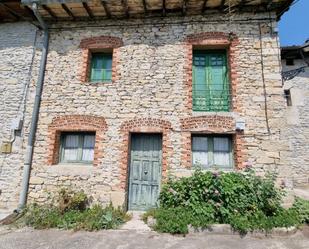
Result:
<point x="35" y="112"/>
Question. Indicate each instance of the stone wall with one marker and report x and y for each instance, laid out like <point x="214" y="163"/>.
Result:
<point x="297" y="116"/>
<point x="16" y="55"/>
<point x="150" y="93"/>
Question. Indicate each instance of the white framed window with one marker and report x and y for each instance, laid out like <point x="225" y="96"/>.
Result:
<point x="212" y="151"/>
<point x="77" y="147"/>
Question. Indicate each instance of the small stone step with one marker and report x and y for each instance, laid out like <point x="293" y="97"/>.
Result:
<point x="136" y="222"/>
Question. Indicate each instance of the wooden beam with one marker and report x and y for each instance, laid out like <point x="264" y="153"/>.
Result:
<point x="11" y="12"/>
<point x="107" y="11"/>
<point x="30" y="12"/>
<point x="68" y="11"/>
<point x="88" y="10"/>
<point x="145" y="6"/>
<point x="50" y="12"/>
<point x="242" y="4"/>
<point x="204" y="6"/>
<point x="221" y="7"/>
<point x="269" y="4"/>
<point x="126" y="7"/>
<point x="163" y="7"/>
<point x="184" y="7"/>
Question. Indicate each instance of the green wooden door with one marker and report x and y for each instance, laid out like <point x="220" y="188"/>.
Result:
<point x="145" y="171"/>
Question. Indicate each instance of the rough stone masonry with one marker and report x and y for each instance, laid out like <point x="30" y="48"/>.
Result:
<point x="151" y="91"/>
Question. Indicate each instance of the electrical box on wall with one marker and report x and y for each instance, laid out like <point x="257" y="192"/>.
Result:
<point x="6" y="147"/>
<point x="16" y="124"/>
<point x="240" y="125"/>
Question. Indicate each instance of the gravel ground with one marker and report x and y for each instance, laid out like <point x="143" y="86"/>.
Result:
<point x="27" y="238"/>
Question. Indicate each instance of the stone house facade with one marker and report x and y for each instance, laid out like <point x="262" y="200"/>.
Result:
<point x="129" y="102"/>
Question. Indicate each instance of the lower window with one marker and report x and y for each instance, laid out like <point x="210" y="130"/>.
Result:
<point x="212" y="151"/>
<point x="77" y="147"/>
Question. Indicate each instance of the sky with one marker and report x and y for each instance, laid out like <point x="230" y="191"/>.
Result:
<point x="294" y="24"/>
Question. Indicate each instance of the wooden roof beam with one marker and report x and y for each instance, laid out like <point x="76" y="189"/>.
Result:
<point x="221" y="7"/>
<point x="107" y="11"/>
<point x="126" y="7"/>
<point x="204" y="6"/>
<point x="88" y="10"/>
<point x="30" y="12"/>
<point x="68" y="11"/>
<point x="269" y="4"/>
<point x="145" y="6"/>
<point x="164" y="7"/>
<point x="184" y="7"/>
<point x="11" y="12"/>
<point x="50" y="12"/>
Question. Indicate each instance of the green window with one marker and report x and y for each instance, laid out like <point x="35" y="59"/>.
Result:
<point x="77" y="147"/>
<point x="101" y="67"/>
<point x="210" y="81"/>
<point x="212" y="151"/>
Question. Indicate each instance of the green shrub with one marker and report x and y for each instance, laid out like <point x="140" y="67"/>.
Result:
<point x="98" y="218"/>
<point x="244" y="200"/>
<point x="226" y="192"/>
<point x="172" y="220"/>
<point x="41" y="217"/>
<point x="70" y="200"/>
<point x="71" y="212"/>
<point x="259" y="221"/>
<point x="301" y="206"/>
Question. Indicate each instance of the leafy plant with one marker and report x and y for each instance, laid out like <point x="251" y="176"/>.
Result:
<point x="301" y="206"/>
<point x="244" y="200"/>
<point x="70" y="200"/>
<point x="71" y="212"/>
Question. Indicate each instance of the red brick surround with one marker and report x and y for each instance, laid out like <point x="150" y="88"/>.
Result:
<point x="143" y="125"/>
<point x="75" y="123"/>
<point x="96" y="44"/>
<point x="211" y="124"/>
<point x="210" y="40"/>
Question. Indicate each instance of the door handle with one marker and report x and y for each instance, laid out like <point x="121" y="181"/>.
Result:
<point x="145" y="172"/>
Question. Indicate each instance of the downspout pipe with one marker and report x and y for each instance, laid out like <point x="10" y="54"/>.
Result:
<point x="35" y="112"/>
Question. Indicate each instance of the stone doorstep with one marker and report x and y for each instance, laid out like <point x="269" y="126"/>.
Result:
<point x="226" y="229"/>
<point x="136" y="222"/>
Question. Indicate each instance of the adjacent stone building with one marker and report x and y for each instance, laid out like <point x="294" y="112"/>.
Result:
<point x="137" y="91"/>
<point x="295" y="71"/>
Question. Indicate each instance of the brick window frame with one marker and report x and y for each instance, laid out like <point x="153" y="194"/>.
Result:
<point x="143" y="125"/>
<point x="99" y="44"/>
<point x="75" y="123"/>
<point x="210" y="125"/>
<point x="212" y="40"/>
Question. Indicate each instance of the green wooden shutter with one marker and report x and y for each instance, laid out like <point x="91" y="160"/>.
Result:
<point x="96" y="65"/>
<point x="200" y="91"/>
<point x="210" y="81"/>
<point x="107" y="67"/>
<point x="218" y="84"/>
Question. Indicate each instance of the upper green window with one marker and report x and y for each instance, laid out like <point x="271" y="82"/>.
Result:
<point x="77" y="147"/>
<point x="211" y="90"/>
<point x="101" y="67"/>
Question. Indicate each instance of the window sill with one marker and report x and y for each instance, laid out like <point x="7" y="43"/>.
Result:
<point x="206" y="113"/>
<point x="216" y="169"/>
<point x="71" y="169"/>
<point x="98" y="82"/>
